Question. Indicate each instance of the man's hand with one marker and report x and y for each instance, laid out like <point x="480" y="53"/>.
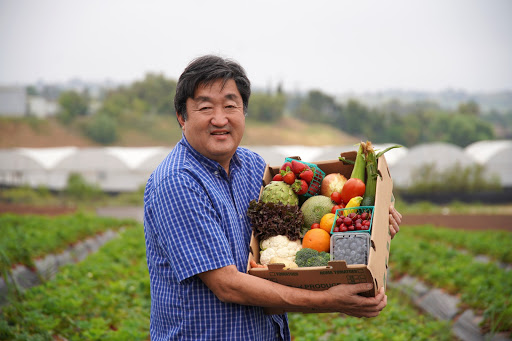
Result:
<point x="345" y="299"/>
<point x="395" y="218"/>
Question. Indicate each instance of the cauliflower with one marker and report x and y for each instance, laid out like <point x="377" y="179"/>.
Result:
<point x="279" y="246"/>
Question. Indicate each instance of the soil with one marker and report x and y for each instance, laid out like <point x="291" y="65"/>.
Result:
<point x="463" y="222"/>
<point x="31" y="209"/>
<point x="42" y="134"/>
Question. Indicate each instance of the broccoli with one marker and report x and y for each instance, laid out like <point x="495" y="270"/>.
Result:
<point x="309" y="257"/>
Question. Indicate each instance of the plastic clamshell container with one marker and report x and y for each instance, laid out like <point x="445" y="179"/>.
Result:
<point x="353" y="248"/>
<point x="318" y="176"/>
<point x="357" y="210"/>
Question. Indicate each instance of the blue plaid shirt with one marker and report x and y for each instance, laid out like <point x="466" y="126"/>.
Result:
<point x="195" y="220"/>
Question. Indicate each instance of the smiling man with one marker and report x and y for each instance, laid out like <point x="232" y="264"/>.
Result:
<point x="197" y="230"/>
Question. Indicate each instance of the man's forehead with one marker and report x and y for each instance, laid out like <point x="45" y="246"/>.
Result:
<point x="203" y="89"/>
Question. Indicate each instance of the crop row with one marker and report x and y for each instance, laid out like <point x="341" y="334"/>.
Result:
<point x="486" y="288"/>
<point x="24" y="238"/>
<point x="105" y="297"/>
<point x="496" y="244"/>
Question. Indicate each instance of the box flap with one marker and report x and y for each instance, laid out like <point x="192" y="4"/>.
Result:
<point x="381" y="236"/>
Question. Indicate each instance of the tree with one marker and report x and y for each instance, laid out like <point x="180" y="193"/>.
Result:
<point x="72" y="104"/>
<point x="102" y="129"/>
<point x="470" y="108"/>
<point x="266" y="107"/>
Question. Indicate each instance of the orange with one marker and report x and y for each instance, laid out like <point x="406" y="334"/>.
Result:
<point x="317" y="239"/>
<point x="327" y="221"/>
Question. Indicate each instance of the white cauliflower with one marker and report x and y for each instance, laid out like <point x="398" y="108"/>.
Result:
<point x="279" y="246"/>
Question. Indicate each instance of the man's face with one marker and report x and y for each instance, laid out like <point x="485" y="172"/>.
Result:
<point x="215" y="121"/>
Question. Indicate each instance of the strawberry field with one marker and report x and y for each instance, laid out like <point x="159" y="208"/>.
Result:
<point x="106" y="295"/>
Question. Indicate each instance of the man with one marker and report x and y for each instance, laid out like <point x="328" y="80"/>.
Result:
<point x="197" y="231"/>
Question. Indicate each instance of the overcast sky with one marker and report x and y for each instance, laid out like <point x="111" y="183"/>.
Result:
<point x="335" y="46"/>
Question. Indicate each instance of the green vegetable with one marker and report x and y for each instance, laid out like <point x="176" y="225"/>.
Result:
<point x="372" y="173"/>
<point x="309" y="257"/>
<point x="359" y="167"/>
<point x="279" y="192"/>
<point x="270" y="219"/>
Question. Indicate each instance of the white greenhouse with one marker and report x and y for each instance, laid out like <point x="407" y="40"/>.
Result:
<point x="442" y="156"/>
<point x="120" y="169"/>
<point x="496" y="156"/>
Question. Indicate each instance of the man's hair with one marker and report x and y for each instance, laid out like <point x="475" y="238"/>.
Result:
<point x="206" y="70"/>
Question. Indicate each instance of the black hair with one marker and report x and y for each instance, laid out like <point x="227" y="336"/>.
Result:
<point x="206" y="70"/>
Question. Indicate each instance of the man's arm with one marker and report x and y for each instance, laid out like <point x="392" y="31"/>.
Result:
<point x="232" y="286"/>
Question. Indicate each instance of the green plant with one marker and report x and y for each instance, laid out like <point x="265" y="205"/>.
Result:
<point x="483" y="287"/>
<point x="427" y="179"/>
<point x="78" y="188"/>
<point x="102" y="129"/>
<point x="105" y="297"/>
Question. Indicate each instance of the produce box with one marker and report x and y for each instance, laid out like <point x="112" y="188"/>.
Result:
<point x="337" y="271"/>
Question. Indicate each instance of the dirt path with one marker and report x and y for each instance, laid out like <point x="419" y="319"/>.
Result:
<point x="459" y="221"/>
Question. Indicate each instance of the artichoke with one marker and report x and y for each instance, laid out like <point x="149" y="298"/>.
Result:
<point x="279" y="192"/>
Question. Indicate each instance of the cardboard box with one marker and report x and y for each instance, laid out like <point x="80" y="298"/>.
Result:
<point x="337" y="272"/>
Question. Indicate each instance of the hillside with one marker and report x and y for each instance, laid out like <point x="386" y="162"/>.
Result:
<point x="35" y="133"/>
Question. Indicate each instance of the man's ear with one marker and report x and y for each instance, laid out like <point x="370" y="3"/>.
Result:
<point x="180" y="120"/>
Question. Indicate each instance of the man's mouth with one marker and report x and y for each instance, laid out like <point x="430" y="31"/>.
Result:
<point x="220" y="133"/>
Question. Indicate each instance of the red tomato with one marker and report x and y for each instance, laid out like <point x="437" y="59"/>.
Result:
<point x="336" y="207"/>
<point x="354" y="187"/>
<point x="315" y="226"/>
<point x="336" y="197"/>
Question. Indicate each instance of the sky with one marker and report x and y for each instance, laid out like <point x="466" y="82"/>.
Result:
<point x="334" y="46"/>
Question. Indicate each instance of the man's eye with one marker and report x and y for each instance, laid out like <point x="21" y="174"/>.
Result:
<point x="204" y="108"/>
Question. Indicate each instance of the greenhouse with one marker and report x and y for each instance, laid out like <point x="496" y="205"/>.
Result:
<point x="496" y="156"/>
<point x="441" y="156"/>
<point x="119" y="169"/>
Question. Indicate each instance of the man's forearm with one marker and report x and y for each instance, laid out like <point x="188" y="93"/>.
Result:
<point x="232" y="286"/>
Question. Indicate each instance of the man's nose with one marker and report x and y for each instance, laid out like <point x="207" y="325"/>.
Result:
<point x="219" y="116"/>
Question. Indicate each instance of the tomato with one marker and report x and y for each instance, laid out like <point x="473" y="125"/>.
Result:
<point x="336" y="197"/>
<point x="354" y="187"/>
<point x="315" y="226"/>
<point x="336" y="207"/>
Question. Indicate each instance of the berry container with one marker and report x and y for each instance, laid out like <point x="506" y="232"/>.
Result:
<point x="360" y="210"/>
<point x="318" y="176"/>
<point x="353" y="248"/>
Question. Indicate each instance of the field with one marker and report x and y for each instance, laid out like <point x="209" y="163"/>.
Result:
<point x="106" y="295"/>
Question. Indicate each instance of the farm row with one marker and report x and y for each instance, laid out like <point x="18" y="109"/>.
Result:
<point x="106" y="296"/>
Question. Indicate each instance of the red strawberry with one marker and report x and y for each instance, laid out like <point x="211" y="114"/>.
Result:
<point x="298" y="167"/>
<point x="277" y="177"/>
<point x="307" y="175"/>
<point x="285" y="165"/>
<point x="300" y="187"/>
<point x="288" y="177"/>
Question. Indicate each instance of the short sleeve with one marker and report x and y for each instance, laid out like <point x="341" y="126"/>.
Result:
<point x="188" y="227"/>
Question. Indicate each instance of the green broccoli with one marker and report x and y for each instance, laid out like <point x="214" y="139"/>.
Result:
<point x="309" y="257"/>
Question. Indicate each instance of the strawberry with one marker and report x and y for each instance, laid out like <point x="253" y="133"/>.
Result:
<point x="288" y="177"/>
<point x="307" y="175"/>
<point x="286" y="165"/>
<point x="277" y="177"/>
<point x="300" y="187"/>
<point x="298" y="167"/>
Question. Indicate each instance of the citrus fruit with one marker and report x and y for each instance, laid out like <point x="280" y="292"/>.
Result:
<point x="327" y="221"/>
<point x="317" y="239"/>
